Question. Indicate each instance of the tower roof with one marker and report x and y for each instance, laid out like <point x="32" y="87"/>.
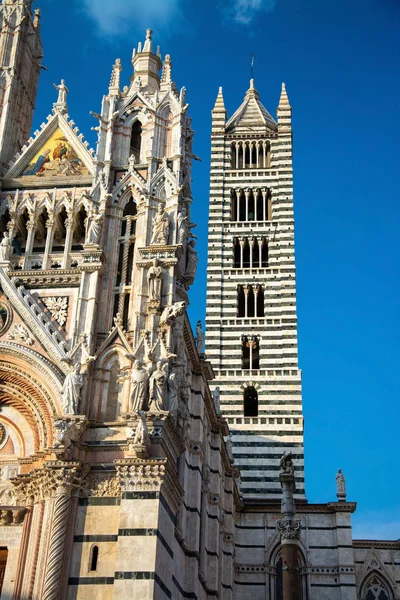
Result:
<point x="251" y="114"/>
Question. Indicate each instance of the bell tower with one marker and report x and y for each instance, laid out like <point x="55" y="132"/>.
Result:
<point x="20" y="60"/>
<point x="251" y="291"/>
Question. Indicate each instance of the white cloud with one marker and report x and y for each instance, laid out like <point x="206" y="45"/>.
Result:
<point x="244" y="12"/>
<point x="119" y="17"/>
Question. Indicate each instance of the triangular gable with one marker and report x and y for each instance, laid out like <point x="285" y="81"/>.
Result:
<point x="164" y="178"/>
<point x="129" y="106"/>
<point x="56" y="154"/>
<point x="116" y="333"/>
<point x="373" y="563"/>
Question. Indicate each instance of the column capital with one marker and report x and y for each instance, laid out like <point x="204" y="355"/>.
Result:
<point x="289" y="530"/>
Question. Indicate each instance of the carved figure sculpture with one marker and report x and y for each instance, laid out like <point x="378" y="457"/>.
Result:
<point x="286" y="464"/>
<point x="71" y="389"/>
<point x="216" y="398"/>
<point x="158" y="386"/>
<point x="160" y="227"/>
<point x="139" y="387"/>
<point x="62" y="92"/>
<point x="155" y="276"/>
<point x="192" y="260"/>
<point x="5" y="247"/>
<point x="94" y="225"/>
<point x="340" y="484"/>
<point x="200" y="338"/>
<point x="141" y="433"/>
<point x="173" y="392"/>
<point x="183" y="226"/>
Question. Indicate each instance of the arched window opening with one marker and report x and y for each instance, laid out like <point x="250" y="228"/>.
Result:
<point x="246" y="254"/>
<point x="94" y="556"/>
<point x="260" y="301"/>
<point x="233" y="155"/>
<point x="130" y="210"/>
<point x="251" y="212"/>
<point x="60" y="230"/>
<point x="22" y="231"/>
<point x="246" y="157"/>
<point x="131" y="252"/>
<point x="78" y="237"/>
<point x="267" y="155"/>
<point x="250" y="402"/>
<point x="236" y="253"/>
<point x="234" y="206"/>
<point x="250" y="352"/>
<point x="253" y="155"/>
<point x="125" y="312"/>
<point x="260" y="206"/>
<point x="240" y="155"/>
<point x="375" y="588"/>
<point x="264" y="253"/>
<point x="260" y="157"/>
<point x="113" y="408"/>
<point x="241" y="302"/>
<point x="250" y="301"/>
<point x="256" y="253"/>
<point x="136" y="140"/>
<point x="242" y="206"/>
<point x="41" y="232"/>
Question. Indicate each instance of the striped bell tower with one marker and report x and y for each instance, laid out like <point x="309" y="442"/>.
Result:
<point x="251" y="290"/>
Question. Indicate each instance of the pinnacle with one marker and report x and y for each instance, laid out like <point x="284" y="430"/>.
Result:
<point x="219" y="102"/>
<point x="284" y="99"/>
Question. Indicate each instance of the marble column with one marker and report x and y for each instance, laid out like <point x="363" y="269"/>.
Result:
<point x="65" y="478"/>
<point x="289" y="531"/>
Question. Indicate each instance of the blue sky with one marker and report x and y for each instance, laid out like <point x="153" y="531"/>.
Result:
<point x="340" y="62"/>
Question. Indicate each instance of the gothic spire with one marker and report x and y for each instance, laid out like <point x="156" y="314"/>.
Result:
<point x="284" y="111"/>
<point x="219" y="113"/>
<point x="284" y="99"/>
<point x="166" y="76"/>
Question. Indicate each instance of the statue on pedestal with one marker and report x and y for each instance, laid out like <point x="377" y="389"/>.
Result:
<point x="155" y="276"/>
<point x="340" y="485"/>
<point x="141" y="433"/>
<point x="192" y="260"/>
<point x="160" y="227"/>
<point x="5" y="247"/>
<point x="62" y="92"/>
<point x="200" y="338"/>
<point x="158" y="386"/>
<point x="70" y="391"/>
<point x="139" y="387"/>
<point x="94" y="225"/>
<point x="286" y="464"/>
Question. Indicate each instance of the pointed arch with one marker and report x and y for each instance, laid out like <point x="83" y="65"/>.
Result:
<point x="376" y="587"/>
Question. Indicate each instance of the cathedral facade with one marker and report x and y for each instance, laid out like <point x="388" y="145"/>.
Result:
<point x="132" y="465"/>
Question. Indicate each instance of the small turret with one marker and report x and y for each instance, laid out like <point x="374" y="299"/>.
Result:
<point x="218" y="113"/>
<point x="146" y="65"/>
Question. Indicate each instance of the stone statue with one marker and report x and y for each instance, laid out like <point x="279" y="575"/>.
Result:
<point x="5" y="247"/>
<point x="131" y="163"/>
<point x="286" y="464"/>
<point x="160" y="227"/>
<point x="94" y="225"/>
<point x="71" y="389"/>
<point x="141" y="433"/>
<point x="216" y="398"/>
<point x="183" y="226"/>
<point x="66" y="435"/>
<point x="340" y="485"/>
<point x="155" y="276"/>
<point x="173" y="392"/>
<point x="192" y="260"/>
<point x="139" y="387"/>
<point x="62" y="92"/>
<point x="200" y="338"/>
<point x="158" y="386"/>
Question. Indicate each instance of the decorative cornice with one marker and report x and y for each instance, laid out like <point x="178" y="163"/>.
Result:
<point x="150" y="475"/>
